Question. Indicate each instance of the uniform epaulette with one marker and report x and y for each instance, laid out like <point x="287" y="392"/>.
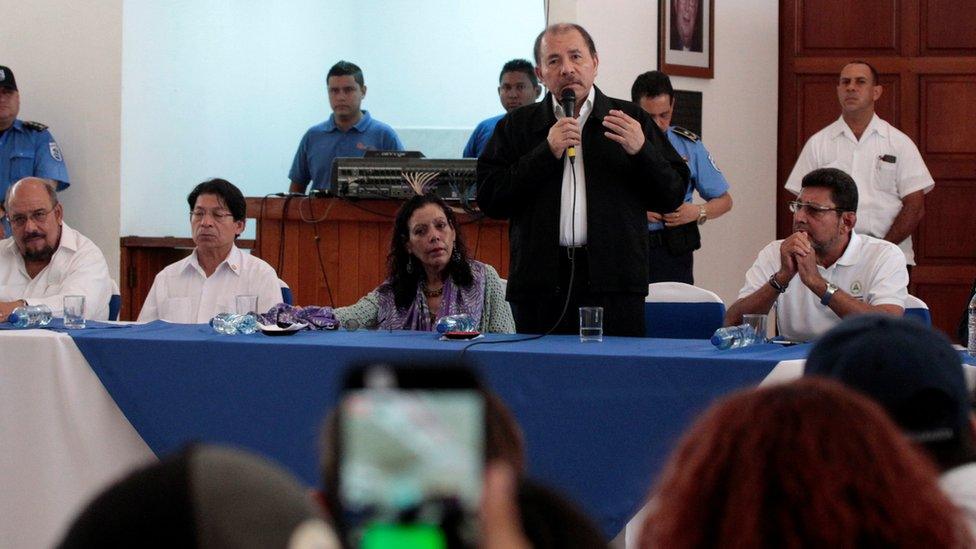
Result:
<point x="687" y="134"/>
<point x="36" y="126"/>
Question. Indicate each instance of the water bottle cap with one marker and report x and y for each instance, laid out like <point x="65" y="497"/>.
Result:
<point x="13" y="318"/>
<point x="717" y="339"/>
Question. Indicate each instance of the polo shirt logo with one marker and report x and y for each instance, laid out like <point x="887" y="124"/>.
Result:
<point x="856" y="288"/>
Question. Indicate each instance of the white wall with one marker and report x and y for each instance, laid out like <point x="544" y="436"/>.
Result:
<point x="739" y="113"/>
<point x="227" y="88"/>
<point x="67" y="57"/>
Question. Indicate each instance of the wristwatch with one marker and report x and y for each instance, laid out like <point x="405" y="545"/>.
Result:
<point x="702" y="214"/>
<point x="776" y="285"/>
<point x="825" y="299"/>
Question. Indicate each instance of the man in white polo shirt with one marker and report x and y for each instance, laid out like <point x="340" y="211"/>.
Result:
<point x="824" y="271"/>
<point x="890" y="174"/>
<point x="196" y="288"/>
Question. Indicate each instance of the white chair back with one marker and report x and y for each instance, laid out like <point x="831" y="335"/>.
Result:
<point x="683" y="311"/>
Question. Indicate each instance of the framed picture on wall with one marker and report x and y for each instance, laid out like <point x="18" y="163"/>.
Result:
<point x="685" y="38"/>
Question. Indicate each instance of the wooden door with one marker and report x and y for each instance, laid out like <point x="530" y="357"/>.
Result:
<point x="925" y="52"/>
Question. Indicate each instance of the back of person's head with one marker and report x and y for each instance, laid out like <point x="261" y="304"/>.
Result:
<point x="206" y="497"/>
<point x="520" y="65"/>
<point x="551" y="521"/>
<point x="805" y="464"/>
<point x="345" y="68"/>
<point x="651" y="84"/>
<point x="503" y="442"/>
<point x="912" y="371"/>
<point x="843" y="190"/>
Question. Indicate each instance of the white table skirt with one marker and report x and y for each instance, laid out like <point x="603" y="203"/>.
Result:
<point x="62" y="438"/>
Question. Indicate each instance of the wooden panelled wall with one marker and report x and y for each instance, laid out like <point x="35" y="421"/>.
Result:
<point x="304" y="239"/>
<point x="925" y="52"/>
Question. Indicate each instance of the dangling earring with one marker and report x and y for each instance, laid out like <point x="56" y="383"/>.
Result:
<point x="410" y="264"/>
<point x="456" y="256"/>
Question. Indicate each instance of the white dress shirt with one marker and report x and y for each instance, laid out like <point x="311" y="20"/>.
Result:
<point x="885" y="164"/>
<point x="572" y="220"/>
<point x="77" y="267"/>
<point x="870" y="270"/>
<point x="183" y="293"/>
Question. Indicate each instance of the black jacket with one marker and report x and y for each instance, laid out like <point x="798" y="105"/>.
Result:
<point x="520" y="180"/>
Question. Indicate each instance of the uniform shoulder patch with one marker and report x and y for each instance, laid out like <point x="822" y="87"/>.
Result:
<point x="36" y="126"/>
<point x="686" y="133"/>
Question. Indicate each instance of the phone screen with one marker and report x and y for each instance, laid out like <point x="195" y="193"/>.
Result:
<point x="411" y="466"/>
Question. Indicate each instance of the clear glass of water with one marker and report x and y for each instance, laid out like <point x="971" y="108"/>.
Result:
<point x="74" y="312"/>
<point x="591" y="324"/>
<point x="758" y="324"/>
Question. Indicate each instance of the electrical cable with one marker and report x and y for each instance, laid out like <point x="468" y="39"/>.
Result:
<point x="569" y="290"/>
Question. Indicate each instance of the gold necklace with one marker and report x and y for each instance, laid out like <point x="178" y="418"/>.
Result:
<point x="433" y="293"/>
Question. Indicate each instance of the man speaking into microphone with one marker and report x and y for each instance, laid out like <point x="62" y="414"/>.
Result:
<point x="574" y="174"/>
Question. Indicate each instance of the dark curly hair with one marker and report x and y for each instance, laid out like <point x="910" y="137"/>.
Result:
<point x="404" y="283"/>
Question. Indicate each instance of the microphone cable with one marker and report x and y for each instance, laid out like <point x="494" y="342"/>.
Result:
<point x="569" y="290"/>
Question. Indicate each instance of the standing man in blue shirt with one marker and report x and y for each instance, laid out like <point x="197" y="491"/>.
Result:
<point x="654" y="93"/>
<point x="26" y="148"/>
<point x="517" y="86"/>
<point x="350" y="131"/>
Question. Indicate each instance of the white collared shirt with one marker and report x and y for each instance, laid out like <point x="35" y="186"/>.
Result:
<point x="77" y="267"/>
<point x="885" y="165"/>
<point x="183" y="293"/>
<point x="572" y="220"/>
<point x="870" y="270"/>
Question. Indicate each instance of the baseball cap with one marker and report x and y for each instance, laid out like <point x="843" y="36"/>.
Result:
<point x="7" y="78"/>
<point x="905" y="366"/>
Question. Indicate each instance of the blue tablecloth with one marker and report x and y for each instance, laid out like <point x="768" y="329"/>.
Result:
<point x="599" y="418"/>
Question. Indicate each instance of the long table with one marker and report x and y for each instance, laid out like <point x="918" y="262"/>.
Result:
<point x="599" y="418"/>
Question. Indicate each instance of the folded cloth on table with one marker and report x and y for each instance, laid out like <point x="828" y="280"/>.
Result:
<point x="317" y="318"/>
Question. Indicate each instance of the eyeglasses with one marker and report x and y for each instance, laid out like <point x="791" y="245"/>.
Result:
<point x="812" y="209"/>
<point x="38" y="217"/>
<point x="218" y="216"/>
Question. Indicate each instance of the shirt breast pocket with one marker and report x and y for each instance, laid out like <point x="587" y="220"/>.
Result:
<point x="21" y="165"/>
<point x="886" y="176"/>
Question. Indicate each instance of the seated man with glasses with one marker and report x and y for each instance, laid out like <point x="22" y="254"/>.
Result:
<point x="824" y="271"/>
<point x="46" y="259"/>
<point x="194" y="289"/>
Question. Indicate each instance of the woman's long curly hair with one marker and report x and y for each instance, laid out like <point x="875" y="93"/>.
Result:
<point x="403" y="282"/>
<point x="805" y="464"/>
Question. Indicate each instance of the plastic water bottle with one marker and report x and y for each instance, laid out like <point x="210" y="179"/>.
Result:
<point x="246" y="324"/>
<point x="455" y="323"/>
<point x="223" y="323"/>
<point x="232" y="324"/>
<point x="30" y="316"/>
<point x="972" y="327"/>
<point x="733" y="337"/>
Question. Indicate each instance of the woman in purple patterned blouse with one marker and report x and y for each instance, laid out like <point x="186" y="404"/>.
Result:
<point x="430" y="275"/>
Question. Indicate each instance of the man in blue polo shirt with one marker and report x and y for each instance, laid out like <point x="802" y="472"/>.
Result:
<point x="26" y="148"/>
<point x="350" y="131"/>
<point x="654" y="93"/>
<point x="517" y="86"/>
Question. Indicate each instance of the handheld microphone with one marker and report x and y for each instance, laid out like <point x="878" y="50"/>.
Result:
<point x="568" y="103"/>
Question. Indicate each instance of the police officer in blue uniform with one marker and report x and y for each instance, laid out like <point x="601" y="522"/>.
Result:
<point x="654" y="93"/>
<point x="26" y="148"/>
